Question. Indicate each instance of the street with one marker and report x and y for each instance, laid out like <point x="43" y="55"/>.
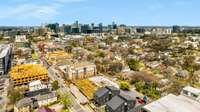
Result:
<point x="76" y="106"/>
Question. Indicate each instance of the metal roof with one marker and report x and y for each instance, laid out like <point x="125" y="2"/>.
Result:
<point x="172" y="103"/>
<point x="191" y="89"/>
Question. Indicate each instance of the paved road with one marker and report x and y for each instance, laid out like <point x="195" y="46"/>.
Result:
<point x="76" y="106"/>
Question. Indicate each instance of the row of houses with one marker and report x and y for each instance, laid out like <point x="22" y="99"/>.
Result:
<point x="38" y="95"/>
<point x="116" y="100"/>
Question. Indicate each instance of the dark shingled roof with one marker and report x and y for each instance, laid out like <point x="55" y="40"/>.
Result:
<point x="115" y="102"/>
<point x="100" y="92"/>
<point x="46" y="96"/>
<point x="127" y="96"/>
<point x="37" y="92"/>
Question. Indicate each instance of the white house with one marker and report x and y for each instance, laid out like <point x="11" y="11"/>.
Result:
<point x="36" y="85"/>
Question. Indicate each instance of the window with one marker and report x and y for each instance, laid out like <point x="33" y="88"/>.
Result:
<point x="194" y="95"/>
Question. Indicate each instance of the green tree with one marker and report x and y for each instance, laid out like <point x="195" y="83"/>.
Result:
<point x="14" y="95"/>
<point x="100" y="54"/>
<point x="135" y="64"/>
<point x="55" y="85"/>
<point x="115" y="67"/>
<point x="65" y="101"/>
<point x="139" y="85"/>
<point x="124" y="86"/>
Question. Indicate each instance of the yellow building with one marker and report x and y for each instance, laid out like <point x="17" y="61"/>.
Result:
<point x="24" y="74"/>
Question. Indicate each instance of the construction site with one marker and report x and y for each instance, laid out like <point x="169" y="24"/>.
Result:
<point x="24" y="74"/>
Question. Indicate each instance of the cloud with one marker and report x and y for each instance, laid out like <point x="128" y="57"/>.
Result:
<point x="42" y="10"/>
<point x="28" y="11"/>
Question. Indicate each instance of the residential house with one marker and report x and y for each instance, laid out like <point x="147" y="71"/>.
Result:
<point x="182" y="74"/>
<point x="36" y="85"/>
<point x="44" y="99"/>
<point x="121" y="103"/>
<point x="191" y="92"/>
<point x="25" y="105"/>
<point x="104" y="94"/>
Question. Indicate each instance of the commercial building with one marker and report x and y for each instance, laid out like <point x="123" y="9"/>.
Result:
<point x="5" y="58"/>
<point x="188" y="101"/>
<point x="24" y="74"/>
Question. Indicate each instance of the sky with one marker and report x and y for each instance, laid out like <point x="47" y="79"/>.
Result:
<point x="129" y="12"/>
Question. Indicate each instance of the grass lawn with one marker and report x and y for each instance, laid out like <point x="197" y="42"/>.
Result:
<point x="86" y="87"/>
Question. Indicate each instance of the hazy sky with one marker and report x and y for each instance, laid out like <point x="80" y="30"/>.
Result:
<point x="130" y="12"/>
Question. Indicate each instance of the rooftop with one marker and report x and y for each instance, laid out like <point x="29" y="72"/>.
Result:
<point x="46" y="96"/>
<point x="100" y="92"/>
<point x="82" y="64"/>
<point x="191" y="89"/>
<point x="23" y="102"/>
<point x="34" y="83"/>
<point x="115" y="102"/>
<point x="172" y="103"/>
<point x="112" y="88"/>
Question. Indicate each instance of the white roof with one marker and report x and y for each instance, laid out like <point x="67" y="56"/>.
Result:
<point x="191" y="89"/>
<point x="34" y="83"/>
<point x="172" y="103"/>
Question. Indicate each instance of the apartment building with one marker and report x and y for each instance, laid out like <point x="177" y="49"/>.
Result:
<point x="5" y="58"/>
<point x="24" y="74"/>
<point x="78" y="70"/>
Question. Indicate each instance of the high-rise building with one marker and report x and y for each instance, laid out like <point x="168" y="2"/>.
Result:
<point x="100" y="27"/>
<point x="114" y="25"/>
<point x="176" y="29"/>
<point x="76" y="28"/>
<point x="54" y="27"/>
<point x="65" y="29"/>
<point x="86" y="28"/>
<point x="5" y="59"/>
